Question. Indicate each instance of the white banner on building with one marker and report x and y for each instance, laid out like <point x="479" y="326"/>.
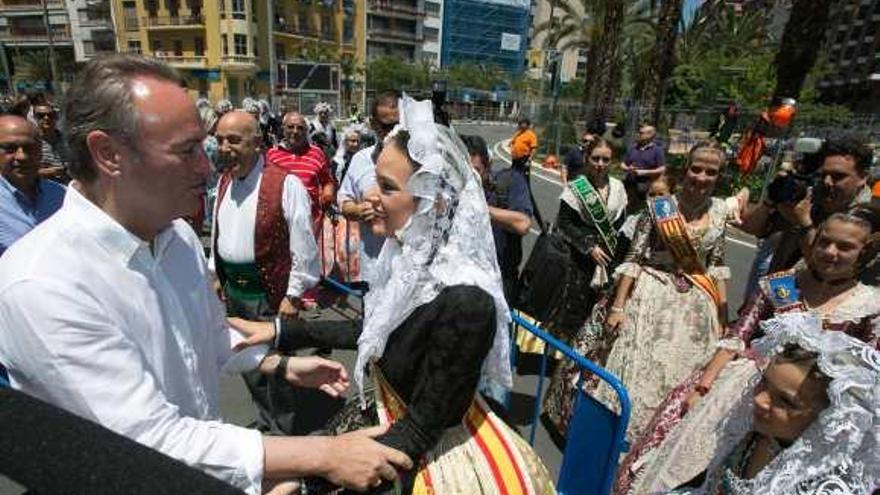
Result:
<point x="510" y="42"/>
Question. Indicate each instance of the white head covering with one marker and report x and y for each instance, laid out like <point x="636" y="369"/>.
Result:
<point x="836" y="454"/>
<point x="447" y="241"/>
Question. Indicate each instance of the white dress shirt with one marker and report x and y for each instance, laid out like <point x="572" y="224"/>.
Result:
<point x="125" y="333"/>
<point x="237" y="216"/>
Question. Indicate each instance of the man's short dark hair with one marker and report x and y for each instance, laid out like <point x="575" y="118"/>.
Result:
<point x="100" y="99"/>
<point x="851" y="147"/>
<point x="386" y="98"/>
<point x="524" y="120"/>
<point x="476" y="145"/>
<point x="597" y="127"/>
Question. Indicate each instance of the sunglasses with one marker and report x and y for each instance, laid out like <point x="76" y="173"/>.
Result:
<point x="600" y="159"/>
<point x="44" y="115"/>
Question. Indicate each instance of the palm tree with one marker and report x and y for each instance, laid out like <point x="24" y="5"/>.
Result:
<point x="35" y="65"/>
<point x="801" y="43"/>
<point x="662" y="59"/>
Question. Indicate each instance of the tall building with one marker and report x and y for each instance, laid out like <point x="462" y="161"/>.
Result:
<point x="853" y="51"/>
<point x="433" y="31"/>
<point x="395" y="28"/>
<point x="573" y="60"/>
<point x="91" y="24"/>
<point x="23" y="29"/>
<point x="491" y="32"/>
<point x="227" y="49"/>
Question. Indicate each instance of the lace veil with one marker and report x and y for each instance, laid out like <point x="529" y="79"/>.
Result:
<point x="838" y="453"/>
<point x="447" y="241"/>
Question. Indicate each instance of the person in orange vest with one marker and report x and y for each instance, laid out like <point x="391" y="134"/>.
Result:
<point x="522" y="146"/>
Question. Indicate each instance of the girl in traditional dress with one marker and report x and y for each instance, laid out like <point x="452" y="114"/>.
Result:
<point x="809" y="426"/>
<point x="678" y="442"/>
<point x="435" y="323"/>
<point x="670" y="301"/>
<point x="591" y="211"/>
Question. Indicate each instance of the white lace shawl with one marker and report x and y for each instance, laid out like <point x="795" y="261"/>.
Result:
<point x="837" y="454"/>
<point x="447" y="241"/>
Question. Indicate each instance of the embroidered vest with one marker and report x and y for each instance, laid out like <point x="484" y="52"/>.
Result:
<point x="271" y="233"/>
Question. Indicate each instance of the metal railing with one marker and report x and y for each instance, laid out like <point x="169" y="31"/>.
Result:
<point x="238" y="59"/>
<point x="188" y="60"/>
<point x="173" y="21"/>
<point x="596" y="436"/>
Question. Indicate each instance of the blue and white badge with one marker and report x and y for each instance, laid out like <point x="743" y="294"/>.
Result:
<point x="783" y="290"/>
<point x="663" y="207"/>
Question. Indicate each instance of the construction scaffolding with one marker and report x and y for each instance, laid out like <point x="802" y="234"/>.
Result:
<point x="487" y="32"/>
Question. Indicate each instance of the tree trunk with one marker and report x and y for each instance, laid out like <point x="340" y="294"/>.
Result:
<point x="662" y="61"/>
<point x="603" y="62"/>
<point x="800" y="45"/>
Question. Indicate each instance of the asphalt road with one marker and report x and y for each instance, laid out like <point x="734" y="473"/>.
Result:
<point x="237" y="407"/>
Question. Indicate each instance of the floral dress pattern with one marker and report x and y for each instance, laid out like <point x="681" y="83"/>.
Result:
<point x="670" y="329"/>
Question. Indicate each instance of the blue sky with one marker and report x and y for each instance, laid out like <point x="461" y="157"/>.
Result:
<point x="690" y="6"/>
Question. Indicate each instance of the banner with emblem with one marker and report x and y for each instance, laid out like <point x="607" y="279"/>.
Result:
<point x="671" y="228"/>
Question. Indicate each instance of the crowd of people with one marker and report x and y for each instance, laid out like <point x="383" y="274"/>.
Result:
<point x="114" y="312"/>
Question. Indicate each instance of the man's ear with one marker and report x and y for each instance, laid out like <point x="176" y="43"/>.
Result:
<point x="106" y="153"/>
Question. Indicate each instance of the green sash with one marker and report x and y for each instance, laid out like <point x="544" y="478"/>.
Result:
<point x="242" y="281"/>
<point x="590" y="201"/>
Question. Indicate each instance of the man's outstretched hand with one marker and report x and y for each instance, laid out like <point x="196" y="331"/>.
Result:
<point x="317" y="372"/>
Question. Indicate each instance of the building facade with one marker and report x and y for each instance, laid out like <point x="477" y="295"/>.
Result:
<point x="229" y="49"/>
<point x="853" y="54"/>
<point x="92" y="28"/>
<point x="395" y="28"/>
<point x="433" y="32"/>
<point x="489" y="32"/>
<point x="27" y="29"/>
<point x="573" y="60"/>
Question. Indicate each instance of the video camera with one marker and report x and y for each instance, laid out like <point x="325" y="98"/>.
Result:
<point x="792" y="186"/>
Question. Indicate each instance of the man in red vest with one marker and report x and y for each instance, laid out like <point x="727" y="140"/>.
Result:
<point x="264" y="251"/>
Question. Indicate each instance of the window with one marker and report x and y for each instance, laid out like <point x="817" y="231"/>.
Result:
<point x="221" y="6"/>
<point x="256" y="44"/>
<point x="134" y="46"/>
<point x="238" y="10"/>
<point x="225" y="44"/>
<point x="280" y="54"/>
<point x="348" y="29"/>
<point x="178" y="48"/>
<point x="254" y="10"/>
<point x="156" y="47"/>
<point x="241" y="44"/>
<point x="302" y="25"/>
<point x="326" y="26"/>
<point x="431" y="34"/>
<point x="152" y="8"/>
<point x="88" y="47"/>
<point x="432" y="9"/>
<point x="199" y="44"/>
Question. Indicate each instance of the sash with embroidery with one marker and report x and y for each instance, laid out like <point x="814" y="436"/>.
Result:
<point x="590" y="201"/>
<point x="782" y="290"/>
<point x="672" y="230"/>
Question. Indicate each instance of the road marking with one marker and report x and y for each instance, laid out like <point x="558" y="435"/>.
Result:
<point x="538" y="173"/>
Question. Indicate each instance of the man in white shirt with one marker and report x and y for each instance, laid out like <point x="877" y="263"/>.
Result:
<point x="264" y="251"/>
<point x="360" y="181"/>
<point x="107" y="305"/>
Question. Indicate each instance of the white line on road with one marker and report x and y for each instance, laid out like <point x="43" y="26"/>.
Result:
<point x="539" y="174"/>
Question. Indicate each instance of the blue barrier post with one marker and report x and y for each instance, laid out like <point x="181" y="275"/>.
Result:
<point x="4" y="378"/>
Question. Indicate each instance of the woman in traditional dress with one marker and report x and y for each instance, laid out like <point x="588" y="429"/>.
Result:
<point x="591" y="212"/>
<point x="435" y="322"/>
<point x="670" y="300"/>
<point x="678" y="443"/>
<point x="809" y="426"/>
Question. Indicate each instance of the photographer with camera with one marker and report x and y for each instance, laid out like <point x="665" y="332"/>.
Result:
<point x="798" y="200"/>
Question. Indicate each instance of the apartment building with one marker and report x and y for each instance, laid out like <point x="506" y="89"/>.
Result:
<point x="30" y="26"/>
<point x="573" y="60"/>
<point x="395" y="28"/>
<point x="231" y="49"/>
<point x="852" y="47"/>
<point x="92" y="28"/>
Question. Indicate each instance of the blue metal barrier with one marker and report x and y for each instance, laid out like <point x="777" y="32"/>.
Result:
<point x="4" y="378"/>
<point x="596" y="435"/>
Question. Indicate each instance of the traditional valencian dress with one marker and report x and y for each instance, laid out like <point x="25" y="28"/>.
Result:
<point x="836" y="454"/>
<point x="676" y="447"/>
<point x="671" y="324"/>
<point x="435" y="323"/>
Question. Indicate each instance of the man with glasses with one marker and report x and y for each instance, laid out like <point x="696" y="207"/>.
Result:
<point x="25" y="198"/>
<point x="55" y="152"/>
<point x="360" y="180"/>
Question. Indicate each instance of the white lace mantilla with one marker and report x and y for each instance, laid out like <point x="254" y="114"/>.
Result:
<point x="447" y="241"/>
<point x="838" y="453"/>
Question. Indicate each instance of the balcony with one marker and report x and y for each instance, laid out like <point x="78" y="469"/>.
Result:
<point x="388" y="8"/>
<point x="97" y="24"/>
<point x="32" y="37"/>
<point x="13" y="6"/>
<point x="185" y="22"/>
<point x="239" y="60"/>
<point x="183" y="61"/>
<point x="395" y="35"/>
